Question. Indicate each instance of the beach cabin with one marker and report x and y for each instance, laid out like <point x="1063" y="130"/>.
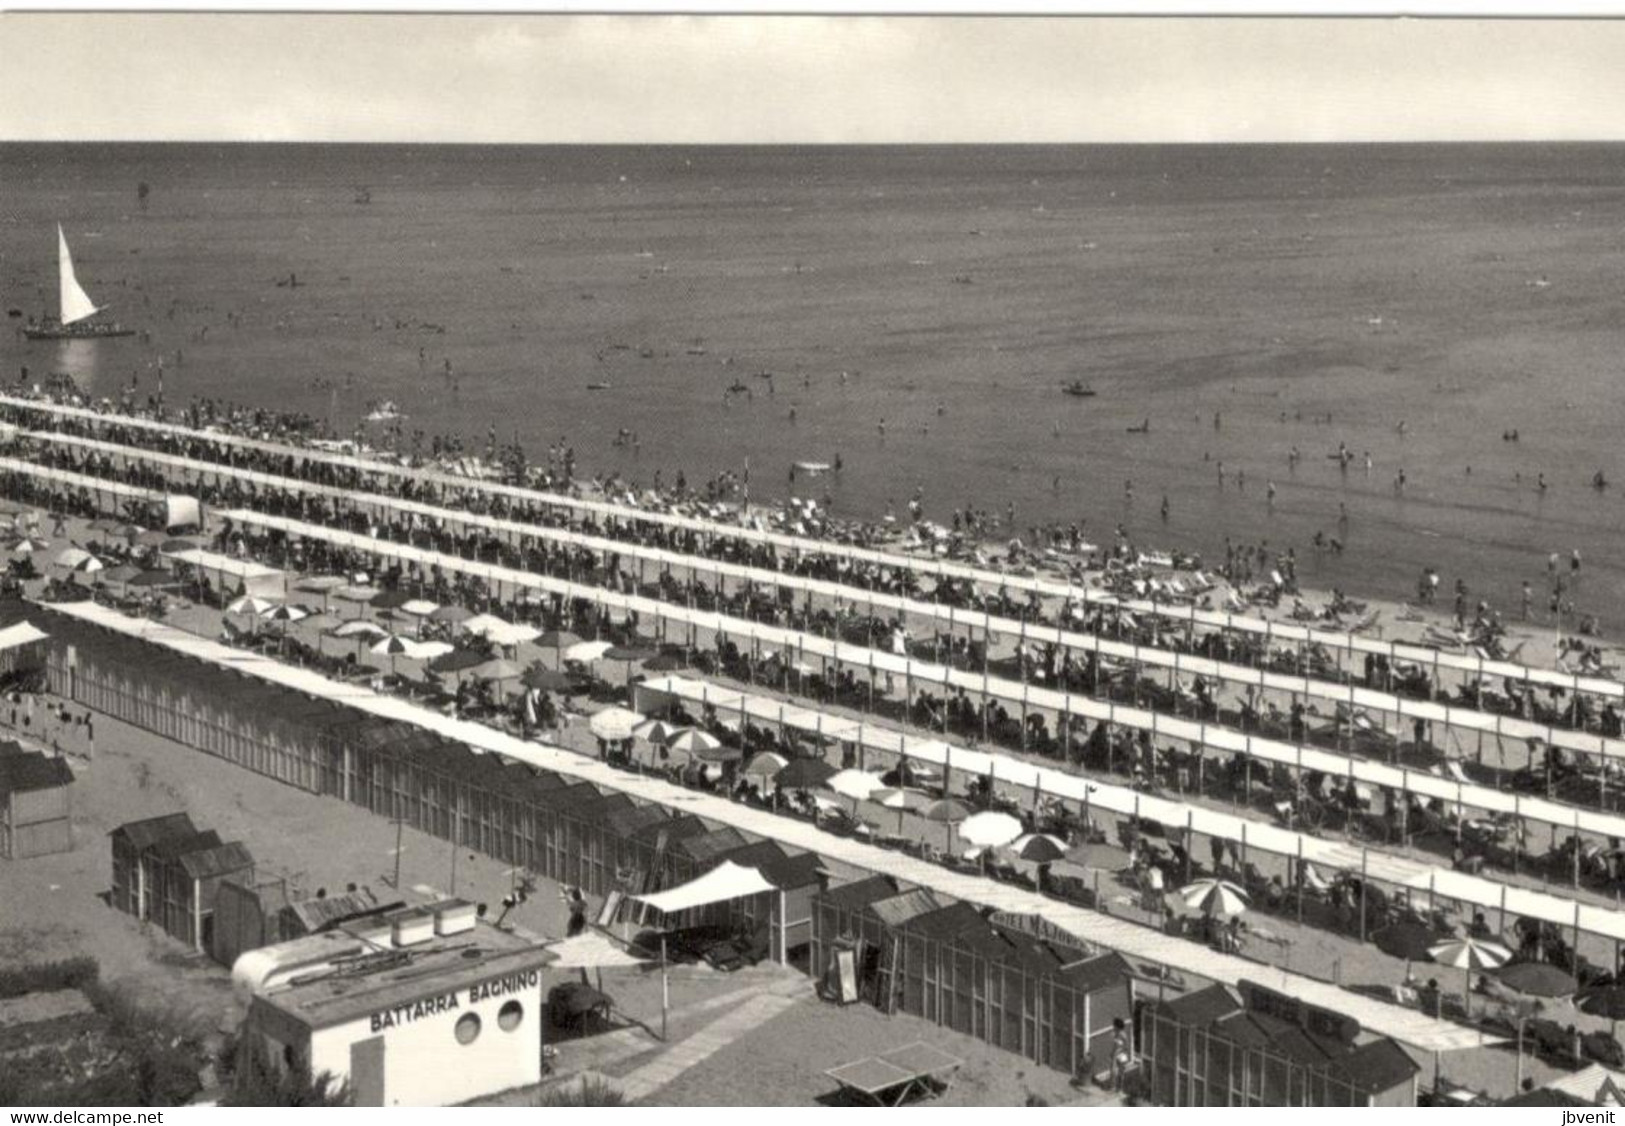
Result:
<point x="135" y="874"/>
<point x="1256" y="1047"/>
<point x="36" y="806"/>
<point x="189" y="889"/>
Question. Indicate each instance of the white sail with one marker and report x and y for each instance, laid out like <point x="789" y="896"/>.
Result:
<point x="76" y="303"/>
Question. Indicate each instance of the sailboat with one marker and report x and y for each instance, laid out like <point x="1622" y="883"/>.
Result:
<point x="75" y="306"/>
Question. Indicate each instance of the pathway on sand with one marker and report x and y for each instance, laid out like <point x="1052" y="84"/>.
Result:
<point x="686" y="1054"/>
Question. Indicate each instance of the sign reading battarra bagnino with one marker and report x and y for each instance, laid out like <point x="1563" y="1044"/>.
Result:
<point x="450" y="1002"/>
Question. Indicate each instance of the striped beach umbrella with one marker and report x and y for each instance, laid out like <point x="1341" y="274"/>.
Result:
<point x="1468" y="954"/>
<point x="1038" y="848"/>
<point x="1215" y="899"/>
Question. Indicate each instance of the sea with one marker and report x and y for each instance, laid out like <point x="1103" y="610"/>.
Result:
<point x="914" y="312"/>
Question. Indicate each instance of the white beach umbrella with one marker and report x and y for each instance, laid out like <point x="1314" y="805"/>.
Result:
<point x="361" y="629"/>
<point x="614" y="723"/>
<point x="250" y="604"/>
<point x="587" y="651"/>
<point x="855" y="784"/>
<point x="990" y="829"/>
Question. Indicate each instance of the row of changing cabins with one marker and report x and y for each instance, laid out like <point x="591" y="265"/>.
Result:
<point x="1008" y="981"/>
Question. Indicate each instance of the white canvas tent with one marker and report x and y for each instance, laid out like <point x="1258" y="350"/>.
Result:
<point x="727" y="881"/>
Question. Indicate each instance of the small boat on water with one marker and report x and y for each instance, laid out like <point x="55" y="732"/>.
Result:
<point x="737" y="387"/>
<point x="74" y="306"/>
<point x="1143" y="428"/>
<point x="1077" y="390"/>
<point x="598" y="387"/>
<point x="385" y="411"/>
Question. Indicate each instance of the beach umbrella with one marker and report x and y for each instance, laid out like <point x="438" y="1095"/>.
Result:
<point x="765" y="766"/>
<point x="283" y="612"/>
<point x="392" y="646"/>
<point x="152" y="579"/>
<point x="628" y="653"/>
<point x="614" y="723"/>
<point x="171" y="546"/>
<point x="88" y="565"/>
<point x="1536" y="979"/>
<point x="429" y="650"/>
<point x="693" y="741"/>
<point x="1410" y="941"/>
<point x="1468" y="954"/>
<point x="653" y="730"/>
<point x="805" y="773"/>
<point x="70" y="557"/>
<point x="250" y="604"/>
<point x="549" y="680"/>
<point x="451" y="615"/>
<point x="902" y="800"/>
<point x="1608" y="1002"/>
<point x="1039" y="848"/>
<point x="557" y="640"/>
<point x="392" y="599"/>
<point x="497" y="670"/>
<point x="948" y="811"/>
<point x="855" y="784"/>
<point x="457" y="662"/>
<point x="123" y="573"/>
<point x="27" y="545"/>
<point x="419" y="608"/>
<point x="990" y="829"/>
<point x="361" y="629"/>
<point x="587" y="651"/>
<point x="665" y="662"/>
<point x="323" y="585"/>
<point x="1216" y="899"/>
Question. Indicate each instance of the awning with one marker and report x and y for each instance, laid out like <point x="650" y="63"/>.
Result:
<point x="724" y="882"/>
<point x="23" y="633"/>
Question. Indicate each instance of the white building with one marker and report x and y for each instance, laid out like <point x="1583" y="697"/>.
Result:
<point x="422" y="1007"/>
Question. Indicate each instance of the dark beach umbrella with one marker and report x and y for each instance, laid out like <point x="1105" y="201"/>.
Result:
<point x="450" y="614"/>
<point x="548" y="680"/>
<point x="665" y="662"/>
<point x="1537" y="979"/>
<point x="1609" y="1002"/>
<point x="1410" y="941"/>
<point x="174" y="545"/>
<point x="629" y="653"/>
<point x="152" y="580"/>
<point x="558" y="640"/>
<point x="458" y="661"/>
<point x="805" y="774"/>
<point x="389" y="599"/>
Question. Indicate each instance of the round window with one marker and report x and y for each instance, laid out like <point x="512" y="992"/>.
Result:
<point x="468" y="1028"/>
<point x="509" y="1016"/>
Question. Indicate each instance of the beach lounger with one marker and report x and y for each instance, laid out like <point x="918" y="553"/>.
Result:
<point x="912" y="1071"/>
